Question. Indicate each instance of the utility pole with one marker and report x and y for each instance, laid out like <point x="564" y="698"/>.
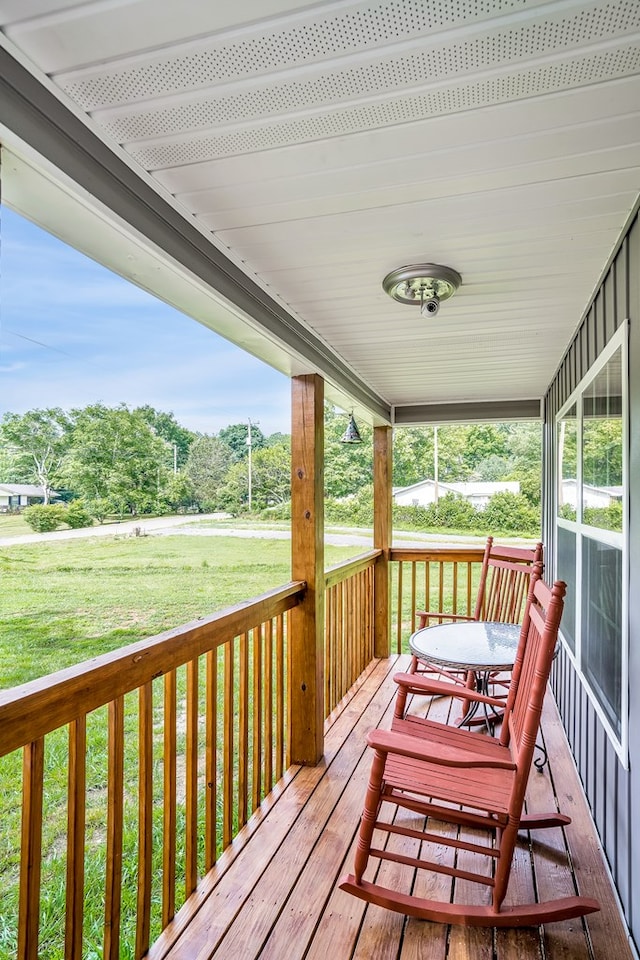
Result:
<point x="249" y="445"/>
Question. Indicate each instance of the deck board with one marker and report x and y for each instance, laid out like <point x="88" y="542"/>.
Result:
<point x="273" y="895"/>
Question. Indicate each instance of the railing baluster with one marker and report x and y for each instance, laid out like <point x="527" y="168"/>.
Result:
<point x="399" y="620"/>
<point x="191" y="780"/>
<point x="455" y="588"/>
<point x="228" y="753"/>
<point x="243" y="731"/>
<point x="76" y="793"/>
<point x="170" y="805"/>
<point x="268" y="706"/>
<point x="340" y="644"/>
<point x="427" y="584"/>
<point x="115" y="803"/>
<point x="31" y="849"/>
<point x="145" y="818"/>
<point x="256" y="759"/>
<point x="413" y="591"/>
<point x="280" y="685"/>
<point x="211" y="766"/>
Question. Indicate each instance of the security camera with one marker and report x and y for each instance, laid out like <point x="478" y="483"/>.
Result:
<point x="430" y="307"/>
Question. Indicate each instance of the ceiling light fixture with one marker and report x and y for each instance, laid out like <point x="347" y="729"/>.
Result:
<point x="424" y="283"/>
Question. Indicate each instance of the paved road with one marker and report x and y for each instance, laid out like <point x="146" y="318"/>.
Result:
<point x="123" y="529"/>
<point x="192" y="526"/>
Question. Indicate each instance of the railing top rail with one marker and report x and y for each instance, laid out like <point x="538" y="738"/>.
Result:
<point x="30" y="711"/>
<point x="461" y="554"/>
<point x="349" y="568"/>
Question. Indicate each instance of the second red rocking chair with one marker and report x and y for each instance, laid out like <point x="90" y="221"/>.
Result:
<point x="458" y="780"/>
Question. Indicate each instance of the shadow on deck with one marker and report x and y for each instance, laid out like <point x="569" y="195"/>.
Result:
<point x="273" y="894"/>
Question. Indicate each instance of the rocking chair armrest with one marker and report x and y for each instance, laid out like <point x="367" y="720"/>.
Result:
<point x="401" y="744"/>
<point x="415" y="683"/>
<point x="442" y="615"/>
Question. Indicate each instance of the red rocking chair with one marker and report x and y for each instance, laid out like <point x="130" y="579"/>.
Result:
<point x="443" y="773"/>
<point x="502" y="592"/>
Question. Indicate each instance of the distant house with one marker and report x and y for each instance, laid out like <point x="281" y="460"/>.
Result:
<point x="591" y="496"/>
<point x="17" y="496"/>
<point x="478" y="493"/>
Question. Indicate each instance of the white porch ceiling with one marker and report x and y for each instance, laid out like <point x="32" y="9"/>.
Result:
<point x="320" y="146"/>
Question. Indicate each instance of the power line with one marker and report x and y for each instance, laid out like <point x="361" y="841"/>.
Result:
<point x="47" y="346"/>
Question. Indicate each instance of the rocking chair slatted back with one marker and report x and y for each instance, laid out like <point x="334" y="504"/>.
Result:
<point x="502" y="592"/>
<point x="464" y="778"/>
<point x="502" y="588"/>
<point x="504" y="582"/>
<point x="531" y="669"/>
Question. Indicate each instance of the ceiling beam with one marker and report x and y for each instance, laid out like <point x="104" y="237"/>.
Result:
<point x="500" y="411"/>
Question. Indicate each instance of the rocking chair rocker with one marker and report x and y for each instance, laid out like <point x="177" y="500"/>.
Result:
<point x="468" y="780"/>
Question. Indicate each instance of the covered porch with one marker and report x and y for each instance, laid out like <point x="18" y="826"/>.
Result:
<point x="274" y="892"/>
<point x="208" y="839"/>
<point x="262" y="167"/>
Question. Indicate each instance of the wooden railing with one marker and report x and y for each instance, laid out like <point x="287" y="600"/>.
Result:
<point x="168" y="745"/>
<point x="166" y="749"/>
<point x="348" y="647"/>
<point x="433" y="578"/>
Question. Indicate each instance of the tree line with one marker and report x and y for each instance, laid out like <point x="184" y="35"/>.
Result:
<point x="116" y="461"/>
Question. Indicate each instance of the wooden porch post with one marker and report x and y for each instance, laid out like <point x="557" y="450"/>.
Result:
<point x="306" y="693"/>
<point x="382" y="530"/>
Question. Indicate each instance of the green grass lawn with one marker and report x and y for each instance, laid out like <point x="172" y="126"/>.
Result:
<point x="68" y="600"/>
<point x="65" y="601"/>
<point x="13" y="525"/>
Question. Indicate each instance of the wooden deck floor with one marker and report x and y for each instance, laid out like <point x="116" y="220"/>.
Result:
<point x="273" y="896"/>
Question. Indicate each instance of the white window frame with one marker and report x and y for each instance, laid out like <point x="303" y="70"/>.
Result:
<point x="620" y="540"/>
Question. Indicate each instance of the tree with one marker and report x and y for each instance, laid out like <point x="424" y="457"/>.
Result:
<point x="525" y="447"/>
<point x="167" y="427"/>
<point x="176" y="493"/>
<point x="602" y="451"/>
<point x="484" y="443"/>
<point x="235" y="436"/>
<point x="206" y="468"/>
<point x="270" y="479"/>
<point x="37" y="442"/>
<point x="116" y="458"/>
<point x="412" y="455"/>
<point x="276" y="439"/>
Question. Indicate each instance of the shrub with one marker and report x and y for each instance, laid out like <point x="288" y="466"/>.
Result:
<point x="282" y="511"/>
<point x="77" y="515"/>
<point x="43" y="518"/>
<point x="607" y="518"/>
<point x="356" y="510"/>
<point x="453" y="513"/>
<point x="511" y="512"/>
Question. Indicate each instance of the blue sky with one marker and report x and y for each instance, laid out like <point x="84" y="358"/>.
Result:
<point x="73" y="333"/>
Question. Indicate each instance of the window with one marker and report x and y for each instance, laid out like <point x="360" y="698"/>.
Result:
<point x="591" y="534"/>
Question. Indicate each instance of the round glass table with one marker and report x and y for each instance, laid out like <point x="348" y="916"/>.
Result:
<point x="481" y="647"/>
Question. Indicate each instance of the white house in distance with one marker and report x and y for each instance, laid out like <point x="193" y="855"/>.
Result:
<point x="478" y="493"/>
<point x="591" y="496"/>
<point x="17" y="496"/>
